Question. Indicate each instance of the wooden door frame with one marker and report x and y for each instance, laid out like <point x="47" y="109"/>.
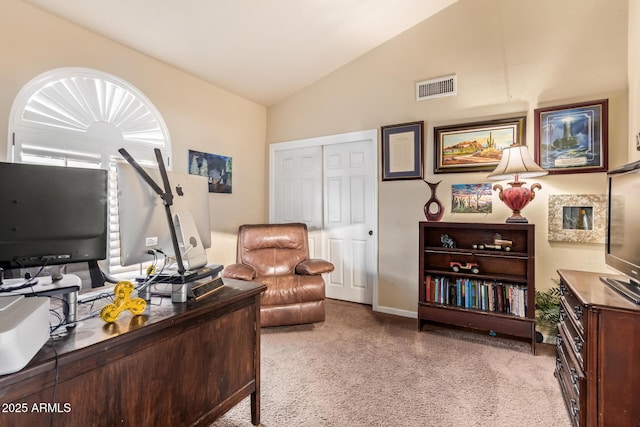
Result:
<point x="343" y="138"/>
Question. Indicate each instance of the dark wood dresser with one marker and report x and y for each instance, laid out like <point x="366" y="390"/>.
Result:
<point x="176" y="365"/>
<point x="598" y="352"/>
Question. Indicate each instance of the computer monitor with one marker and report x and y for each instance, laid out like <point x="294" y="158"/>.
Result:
<point x="622" y="249"/>
<point x="143" y="223"/>
<point x="51" y="215"/>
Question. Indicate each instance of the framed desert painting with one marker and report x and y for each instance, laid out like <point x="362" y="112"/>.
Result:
<point x="474" y="147"/>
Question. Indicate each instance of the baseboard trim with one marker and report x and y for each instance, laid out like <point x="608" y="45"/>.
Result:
<point x="397" y="311"/>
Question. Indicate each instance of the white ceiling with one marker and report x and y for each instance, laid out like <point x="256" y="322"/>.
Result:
<point x="262" y="50"/>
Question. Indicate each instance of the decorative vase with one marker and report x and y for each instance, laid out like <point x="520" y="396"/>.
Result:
<point x="433" y="209"/>
<point x="516" y="198"/>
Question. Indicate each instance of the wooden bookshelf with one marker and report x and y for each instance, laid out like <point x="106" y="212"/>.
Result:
<point x="498" y="298"/>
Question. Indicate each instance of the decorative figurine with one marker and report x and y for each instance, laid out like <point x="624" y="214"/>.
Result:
<point x="123" y="301"/>
<point x="447" y="242"/>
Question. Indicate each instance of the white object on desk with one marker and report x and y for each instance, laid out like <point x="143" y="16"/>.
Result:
<point x="24" y="329"/>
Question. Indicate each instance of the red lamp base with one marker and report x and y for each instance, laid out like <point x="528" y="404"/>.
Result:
<point x="516" y="198"/>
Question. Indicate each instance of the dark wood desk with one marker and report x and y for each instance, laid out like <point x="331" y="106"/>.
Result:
<point x="177" y="365"/>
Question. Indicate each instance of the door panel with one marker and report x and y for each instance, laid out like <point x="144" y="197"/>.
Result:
<point x="298" y="186"/>
<point x="297" y="191"/>
<point x="349" y="219"/>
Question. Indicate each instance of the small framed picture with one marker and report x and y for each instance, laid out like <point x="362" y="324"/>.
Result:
<point x="572" y="138"/>
<point x="471" y="198"/>
<point x="473" y="147"/>
<point x="402" y="151"/>
<point x="577" y="218"/>
<point x="216" y="168"/>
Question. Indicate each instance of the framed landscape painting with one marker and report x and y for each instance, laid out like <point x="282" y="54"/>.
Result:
<point x="471" y="198"/>
<point x="473" y="147"/>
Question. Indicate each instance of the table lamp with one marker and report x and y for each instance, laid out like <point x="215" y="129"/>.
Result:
<point x="516" y="162"/>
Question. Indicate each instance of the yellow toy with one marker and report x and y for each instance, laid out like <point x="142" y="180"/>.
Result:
<point x="123" y="301"/>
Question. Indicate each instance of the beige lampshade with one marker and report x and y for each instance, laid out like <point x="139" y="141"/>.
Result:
<point x="516" y="161"/>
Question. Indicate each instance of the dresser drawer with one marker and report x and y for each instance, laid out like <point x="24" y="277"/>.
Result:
<point x="571" y="378"/>
<point x="572" y="335"/>
<point x="573" y="307"/>
<point x="568" y="366"/>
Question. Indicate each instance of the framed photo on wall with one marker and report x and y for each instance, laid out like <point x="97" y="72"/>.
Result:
<point x="471" y="198"/>
<point x="473" y="147"/>
<point x="577" y="218"/>
<point x="216" y="168"/>
<point x="402" y="151"/>
<point x="572" y="138"/>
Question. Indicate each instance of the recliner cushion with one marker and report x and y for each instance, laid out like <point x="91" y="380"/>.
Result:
<point x="291" y="289"/>
<point x="272" y="250"/>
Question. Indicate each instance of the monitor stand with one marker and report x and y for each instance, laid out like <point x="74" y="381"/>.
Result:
<point x="181" y="286"/>
<point x="623" y="286"/>
<point x="176" y="278"/>
<point x="43" y="286"/>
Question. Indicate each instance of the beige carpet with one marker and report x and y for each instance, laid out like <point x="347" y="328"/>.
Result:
<point x="361" y="368"/>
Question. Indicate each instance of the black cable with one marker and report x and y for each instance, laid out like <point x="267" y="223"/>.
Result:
<point x="61" y="318"/>
<point x="57" y="377"/>
<point x="28" y="283"/>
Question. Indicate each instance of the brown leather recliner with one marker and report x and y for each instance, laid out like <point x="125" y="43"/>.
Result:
<point x="277" y="255"/>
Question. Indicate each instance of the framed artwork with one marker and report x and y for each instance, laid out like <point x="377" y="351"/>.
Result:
<point x="578" y="218"/>
<point x="572" y="138"/>
<point x="471" y="198"/>
<point x="402" y="148"/>
<point x="474" y="147"/>
<point x="215" y="167"/>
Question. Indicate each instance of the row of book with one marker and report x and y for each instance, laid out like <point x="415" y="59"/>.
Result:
<point x="486" y="295"/>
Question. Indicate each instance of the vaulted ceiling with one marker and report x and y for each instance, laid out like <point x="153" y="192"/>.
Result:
<point x="262" y="50"/>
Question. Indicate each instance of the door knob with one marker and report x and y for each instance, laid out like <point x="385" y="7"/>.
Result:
<point x="370" y="232"/>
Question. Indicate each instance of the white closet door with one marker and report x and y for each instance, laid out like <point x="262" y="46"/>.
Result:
<point x="330" y="183"/>
<point x="349" y="220"/>
<point x="298" y="191"/>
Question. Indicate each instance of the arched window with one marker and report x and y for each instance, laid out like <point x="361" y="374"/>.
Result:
<point x="80" y="117"/>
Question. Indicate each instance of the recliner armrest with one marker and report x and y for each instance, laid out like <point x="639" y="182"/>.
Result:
<point x="239" y="271"/>
<point x="314" y="266"/>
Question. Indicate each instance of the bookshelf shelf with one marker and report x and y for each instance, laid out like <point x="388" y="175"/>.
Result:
<point x="499" y="298"/>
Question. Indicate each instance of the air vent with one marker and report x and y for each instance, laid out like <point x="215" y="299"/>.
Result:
<point x="436" y="88"/>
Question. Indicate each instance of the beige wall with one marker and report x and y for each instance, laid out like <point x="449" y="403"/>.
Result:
<point x="198" y="115"/>
<point x="510" y="56"/>
<point x="634" y="80"/>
